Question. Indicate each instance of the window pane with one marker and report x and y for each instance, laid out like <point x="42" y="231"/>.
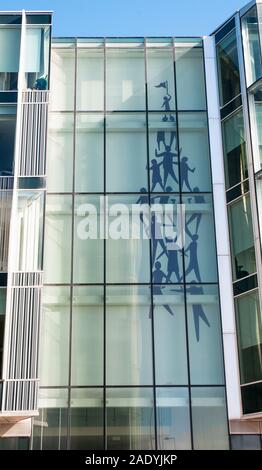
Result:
<point x="128" y="336"/>
<point x="190" y="78"/>
<point x="249" y="337"/>
<point x="130" y="419"/>
<point x="60" y="153"/>
<point x="204" y="334"/>
<point x="255" y="106"/>
<point x="200" y="239"/>
<point x="127" y="257"/>
<point x="9" y="57"/>
<point x="234" y="150"/>
<point x="62" y="79"/>
<point x="89" y="153"/>
<point x="90" y="80"/>
<point x="125" y="80"/>
<point x="170" y="336"/>
<point x="87" y="418"/>
<point x="194" y="152"/>
<point x="55" y="336"/>
<point x="246" y="442"/>
<point x="2" y="326"/>
<point x="7" y="139"/>
<point x="50" y="427"/>
<point x="87" y="336"/>
<point x="242" y="241"/>
<point x="160" y="80"/>
<point x="173" y="419"/>
<point x="228" y="68"/>
<point x="57" y="254"/>
<point x="251" y="44"/>
<point x="88" y="247"/>
<point x="252" y="398"/>
<point x="210" y="431"/>
<point x="126" y="153"/>
<point x="37" y="57"/>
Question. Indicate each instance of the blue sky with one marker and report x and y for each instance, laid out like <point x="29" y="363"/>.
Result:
<point x="132" y="17"/>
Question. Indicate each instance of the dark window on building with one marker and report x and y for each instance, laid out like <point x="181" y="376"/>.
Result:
<point x="228" y="68"/>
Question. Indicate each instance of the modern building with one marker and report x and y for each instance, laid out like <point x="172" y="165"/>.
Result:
<point x="121" y="342"/>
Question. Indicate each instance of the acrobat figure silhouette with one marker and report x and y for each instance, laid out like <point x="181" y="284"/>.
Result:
<point x="163" y="198"/>
<point x="198" y="199"/>
<point x="143" y="200"/>
<point x="156" y="176"/>
<point x="160" y="138"/>
<point x="172" y="262"/>
<point x="156" y="236"/>
<point x="168" y="161"/>
<point x="157" y="277"/>
<point x="184" y="172"/>
<point x="166" y="100"/>
<point x="198" y="311"/>
<point x="193" y="261"/>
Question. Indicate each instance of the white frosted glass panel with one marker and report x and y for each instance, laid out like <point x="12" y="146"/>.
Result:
<point x="54" y="356"/>
<point x="62" y="79"/>
<point x="160" y="80"/>
<point x="33" y="49"/>
<point x="190" y="79"/>
<point x="9" y="49"/>
<point x="128" y="336"/>
<point x="90" y="80"/>
<point x="60" y="152"/>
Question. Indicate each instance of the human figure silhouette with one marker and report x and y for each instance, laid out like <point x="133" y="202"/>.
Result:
<point x="143" y="200"/>
<point x="199" y="199"/>
<point x="184" y="170"/>
<point x="193" y="260"/>
<point x="172" y="262"/>
<point x="156" y="176"/>
<point x="168" y="161"/>
<point x="160" y="138"/>
<point x="157" y="277"/>
<point x="163" y="198"/>
<point x="197" y="308"/>
<point x="156" y="236"/>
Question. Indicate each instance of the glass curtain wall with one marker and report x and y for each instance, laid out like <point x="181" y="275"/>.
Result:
<point x="131" y="339"/>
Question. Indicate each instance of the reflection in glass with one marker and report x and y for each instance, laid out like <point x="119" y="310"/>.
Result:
<point x="60" y="152"/>
<point x="234" y="149"/>
<point x="173" y="420"/>
<point x="242" y="240"/>
<point x="210" y="431"/>
<point x="86" y="419"/>
<point x="130" y="419"/>
<point x="125" y="74"/>
<point x="50" y="427"/>
<point x="62" y="79"/>
<point x="228" y="68"/>
<point x="37" y="57"/>
<point x="251" y="44"/>
<point x="58" y="222"/>
<point x="190" y="78"/>
<point x="160" y="79"/>
<point x="204" y="335"/>
<point x="55" y="336"/>
<point x="170" y="335"/>
<point x="126" y="152"/>
<point x="87" y="336"/>
<point x="128" y="336"/>
<point x="90" y="80"/>
<point x="249" y="337"/>
<point x="89" y="153"/>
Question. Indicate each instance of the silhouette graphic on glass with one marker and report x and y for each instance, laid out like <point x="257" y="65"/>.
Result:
<point x="156" y="237"/>
<point x="198" y="311"/>
<point x="193" y="261"/>
<point x="157" y="277"/>
<point x="156" y="176"/>
<point x="163" y="198"/>
<point x="143" y="199"/>
<point x="160" y="138"/>
<point x="172" y="262"/>
<point x="184" y="170"/>
<point x="166" y="100"/>
<point x="168" y="160"/>
<point x="199" y="199"/>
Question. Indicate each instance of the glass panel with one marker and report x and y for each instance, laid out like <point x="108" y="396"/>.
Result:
<point x="130" y="419"/>
<point x="252" y="398"/>
<point x="88" y="247"/>
<point x="37" y="57"/>
<point x="251" y="44"/>
<point x="200" y="239"/>
<point x="9" y="57"/>
<point x="194" y="152"/>
<point x="60" y="152"/>
<point x="90" y="80"/>
<point x="190" y="78"/>
<point x="242" y="240"/>
<point x="173" y="419"/>
<point x="204" y="335"/>
<point x="126" y="152"/>
<point x="127" y="257"/>
<point x="87" y="336"/>
<point x="89" y="153"/>
<point x="62" y="79"/>
<point x="54" y="358"/>
<point x="7" y="140"/>
<point x="50" y="427"/>
<point x="228" y="68"/>
<point x="255" y="106"/>
<point x="125" y="80"/>
<point x="246" y="442"/>
<point x="249" y="337"/>
<point x="57" y="252"/>
<point x="14" y="443"/>
<point x="87" y="419"/>
<point x="160" y="80"/>
<point x="259" y="201"/>
<point x="210" y="431"/>
<point x="2" y="325"/>
<point x="128" y="336"/>
<point x="170" y="336"/>
<point x="234" y="149"/>
<point x="163" y="152"/>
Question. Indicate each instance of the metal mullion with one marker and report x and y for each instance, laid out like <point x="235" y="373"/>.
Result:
<point x="104" y="263"/>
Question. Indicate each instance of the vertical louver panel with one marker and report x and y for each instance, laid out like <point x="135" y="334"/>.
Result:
<point x="5" y="211"/>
